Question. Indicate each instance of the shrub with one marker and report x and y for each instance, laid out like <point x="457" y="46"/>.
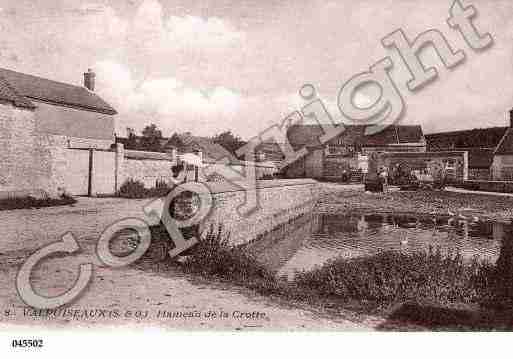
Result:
<point x="136" y="189"/>
<point x="396" y="277"/>
<point x="132" y="189"/>
<point x="31" y="202"/>
<point x="214" y="256"/>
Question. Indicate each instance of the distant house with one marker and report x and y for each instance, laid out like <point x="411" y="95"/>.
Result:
<point x="480" y="143"/>
<point x="347" y="151"/>
<point x="210" y="151"/>
<point x="223" y="164"/>
<point x="270" y="151"/>
<point x="40" y="117"/>
<point x="490" y="150"/>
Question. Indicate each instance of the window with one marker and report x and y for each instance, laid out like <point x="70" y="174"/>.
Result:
<point x="332" y="149"/>
<point x="450" y="165"/>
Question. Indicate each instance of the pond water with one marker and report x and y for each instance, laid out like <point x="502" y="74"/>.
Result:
<point x="316" y="238"/>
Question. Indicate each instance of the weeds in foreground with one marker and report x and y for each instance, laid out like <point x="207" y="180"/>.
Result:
<point x="385" y="278"/>
<point x="213" y="256"/>
<point x="390" y="277"/>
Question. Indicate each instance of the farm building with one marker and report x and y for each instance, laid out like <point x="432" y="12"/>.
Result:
<point x="39" y="118"/>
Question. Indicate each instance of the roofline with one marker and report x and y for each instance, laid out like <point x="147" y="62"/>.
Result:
<point x="88" y="108"/>
<point x="75" y="106"/>
<point x="15" y="102"/>
<point x="501" y="141"/>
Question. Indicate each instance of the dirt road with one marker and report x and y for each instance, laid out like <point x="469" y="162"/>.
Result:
<point x="129" y="296"/>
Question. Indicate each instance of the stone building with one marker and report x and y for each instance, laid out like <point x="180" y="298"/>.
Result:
<point x="347" y="152"/>
<point x="39" y="120"/>
<point x="490" y="150"/>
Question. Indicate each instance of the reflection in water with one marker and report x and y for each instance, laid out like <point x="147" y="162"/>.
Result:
<point x="317" y="238"/>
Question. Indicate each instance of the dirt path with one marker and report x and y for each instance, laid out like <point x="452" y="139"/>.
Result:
<point x="116" y="296"/>
<point x="119" y="294"/>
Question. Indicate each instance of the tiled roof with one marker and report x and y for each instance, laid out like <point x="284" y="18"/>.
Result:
<point x="308" y="135"/>
<point x="475" y="138"/>
<point x="505" y="146"/>
<point x="211" y="151"/>
<point x="7" y="93"/>
<point x="20" y="89"/>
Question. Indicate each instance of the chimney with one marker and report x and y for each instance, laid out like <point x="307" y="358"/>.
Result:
<point x="89" y="79"/>
<point x="511" y="118"/>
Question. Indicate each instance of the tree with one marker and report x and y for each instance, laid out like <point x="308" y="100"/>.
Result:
<point x="229" y="141"/>
<point x="175" y="141"/>
<point x="151" y="137"/>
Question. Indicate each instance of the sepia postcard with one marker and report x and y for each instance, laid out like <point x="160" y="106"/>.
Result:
<point x="255" y="166"/>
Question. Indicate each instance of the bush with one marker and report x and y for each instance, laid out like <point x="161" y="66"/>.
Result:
<point x="213" y="256"/>
<point x="132" y="189"/>
<point x="136" y="189"/>
<point x="31" y="202"/>
<point x="397" y="277"/>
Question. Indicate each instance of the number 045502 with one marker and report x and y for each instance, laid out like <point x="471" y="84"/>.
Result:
<point x="27" y="343"/>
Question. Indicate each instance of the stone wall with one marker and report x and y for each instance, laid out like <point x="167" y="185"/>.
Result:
<point x="18" y="149"/>
<point x="147" y="171"/>
<point x="278" y="202"/>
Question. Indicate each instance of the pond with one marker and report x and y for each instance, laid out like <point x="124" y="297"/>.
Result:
<point x="316" y="238"/>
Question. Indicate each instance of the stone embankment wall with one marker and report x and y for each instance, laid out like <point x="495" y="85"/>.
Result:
<point x="278" y="201"/>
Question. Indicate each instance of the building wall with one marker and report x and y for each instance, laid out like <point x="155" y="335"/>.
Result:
<point x="502" y="167"/>
<point x="334" y="166"/>
<point x="296" y="169"/>
<point x="83" y="128"/>
<point x="314" y="164"/>
<point x="19" y="169"/>
<point x="147" y="171"/>
<point x="34" y="145"/>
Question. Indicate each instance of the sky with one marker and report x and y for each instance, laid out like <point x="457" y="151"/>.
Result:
<point x="209" y="66"/>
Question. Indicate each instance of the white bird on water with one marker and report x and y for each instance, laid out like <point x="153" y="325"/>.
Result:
<point x="404" y="241"/>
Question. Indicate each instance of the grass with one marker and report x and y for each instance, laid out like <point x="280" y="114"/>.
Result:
<point x="420" y="202"/>
<point x="385" y="278"/>
<point x="395" y="277"/>
<point x="214" y="257"/>
<point x="31" y="202"/>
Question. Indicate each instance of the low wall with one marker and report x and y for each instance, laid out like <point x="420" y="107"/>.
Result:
<point x="278" y="202"/>
<point x="147" y="167"/>
<point x="489" y="186"/>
